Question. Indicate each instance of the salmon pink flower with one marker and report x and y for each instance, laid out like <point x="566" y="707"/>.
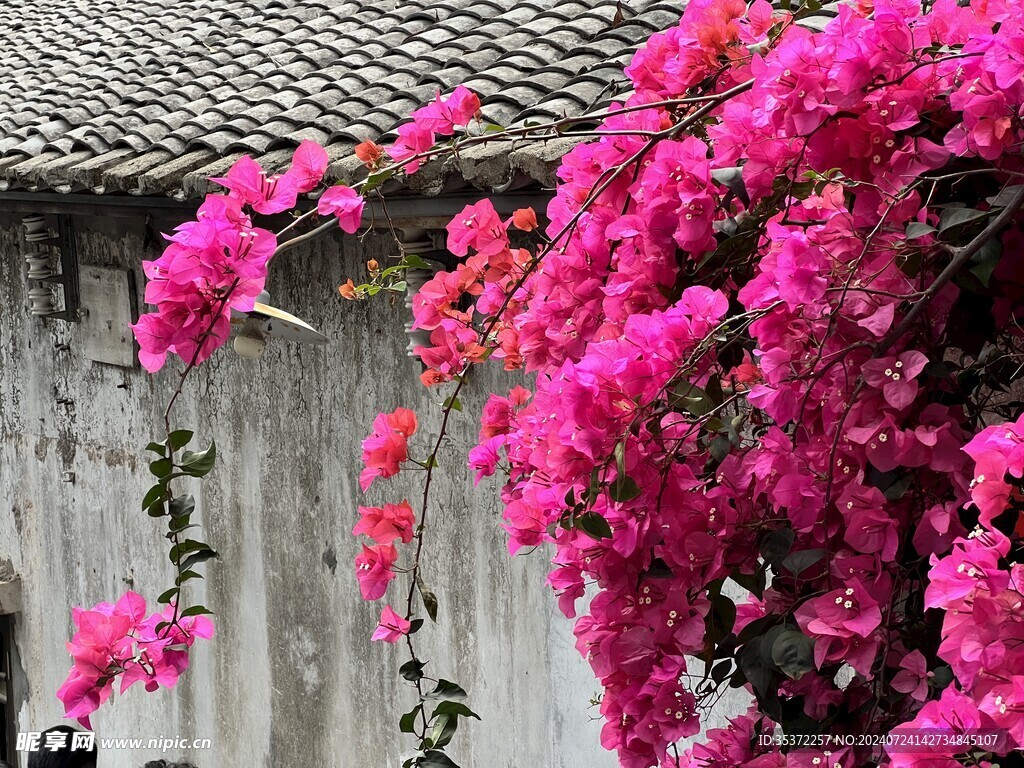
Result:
<point x="387" y="523"/>
<point x="387" y="446"/>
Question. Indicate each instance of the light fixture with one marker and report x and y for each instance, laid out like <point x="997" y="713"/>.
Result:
<point x="253" y="329"/>
<point x="41" y="276"/>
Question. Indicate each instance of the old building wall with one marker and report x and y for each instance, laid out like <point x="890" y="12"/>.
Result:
<point x="291" y="678"/>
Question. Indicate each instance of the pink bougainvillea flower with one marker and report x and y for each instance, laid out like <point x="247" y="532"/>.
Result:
<point x="387" y="446"/>
<point x="484" y="458"/>
<point x="247" y="181"/>
<point x="912" y="678"/>
<point x="309" y="163"/>
<point x="480" y="228"/>
<point x="387" y="523"/>
<point x="391" y="627"/>
<point x="121" y="641"/>
<point x="895" y="377"/>
<point x="443" y="116"/>
<point x="413" y="139"/>
<point x="344" y="203"/>
<point x="373" y="570"/>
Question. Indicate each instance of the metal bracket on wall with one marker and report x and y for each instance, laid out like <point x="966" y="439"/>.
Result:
<point x="68" y="277"/>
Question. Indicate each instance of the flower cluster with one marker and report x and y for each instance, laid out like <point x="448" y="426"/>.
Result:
<point x="732" y="380"/>
<point x="384" y="451"/>
<point x="120" y="641"/>
<point x="218" y="263"/>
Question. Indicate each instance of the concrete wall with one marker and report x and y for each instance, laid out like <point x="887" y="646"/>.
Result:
<point x="291" y="678"/>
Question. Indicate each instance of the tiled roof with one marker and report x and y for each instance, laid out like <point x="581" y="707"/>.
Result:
<point x="154" y="96"/>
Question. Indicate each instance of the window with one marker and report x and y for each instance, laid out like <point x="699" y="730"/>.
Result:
<point x="7" y="732"/>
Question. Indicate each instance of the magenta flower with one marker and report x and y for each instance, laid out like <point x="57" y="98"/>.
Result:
<point x="344" y="203"/>
<point x="391" y="627"/>
<point x="912" y="678"/>
<point x="248" y="182"/>
<point x="894" y="376"/>
<point x="443" y="116"/>
<point x="121" y="641"/>
<point x="309" y="163"/>
<point x="373" y="569"/>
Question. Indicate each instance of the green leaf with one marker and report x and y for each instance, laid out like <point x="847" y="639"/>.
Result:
<point x="720" y="448"/>
<point x="186" y="546"/>
<point x="444" y="729"/>
<point x="793" y="653"/>
<point x="732" y="179"/>
<point x="182" y="505"/>
<point x="199" y="464"/>
<point x="775" y="545"/>
<point x="398" y="286"/>
<point x="407" y="723"/>
<point x="374" y="180"/>
<point x="187" y="576"/>
<point x="594" y="525"/>
<point x="446" y="690"/>
<point x="754" y="583"/>
<point x="169" y="595"/>
<point x="798" y="562"/>
<point x="454" y="708"/>
<point x="196" y="610"/>
<point x="721" y="670"/>
<point x="953" y="220"/>
<point x="623" y="488"/>
<point x="161" y="467"/>
<point x="620" y="458"/>
<point x="755" y="668"/>
<point x="412" y="261"/>
<point x="429" y="599"/>
<point x="916" y="229"/>
<point x="985" y="261"/>
<point x="433" y="758"/>
<point x="156" y="509"/>
<point x="197" y="558"/>
<point x="412" y="670"/>
<point x="452" y="403"/>
<point x="179" y="438"/>
<point x="414" y="626"/>
<point x="1004" y="197"/>
<point x="691" y="399"/>
<point x="154" y="494"/>
<point x="158" y="448"/>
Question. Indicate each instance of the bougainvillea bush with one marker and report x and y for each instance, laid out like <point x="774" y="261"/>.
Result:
<point x="772" y="328"/>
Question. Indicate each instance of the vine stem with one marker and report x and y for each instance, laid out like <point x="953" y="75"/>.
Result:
<point x="710" y="101"/>
<point x="961" y="256"/>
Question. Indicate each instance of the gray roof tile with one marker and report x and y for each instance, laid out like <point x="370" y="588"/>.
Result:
<point x="152" y="96"/>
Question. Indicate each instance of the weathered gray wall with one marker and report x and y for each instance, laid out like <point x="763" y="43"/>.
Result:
<point x="291" y="678"/>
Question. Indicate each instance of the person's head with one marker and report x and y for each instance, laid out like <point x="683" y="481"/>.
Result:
<point x="57" y="749"/>
<point x="165" y="764"/>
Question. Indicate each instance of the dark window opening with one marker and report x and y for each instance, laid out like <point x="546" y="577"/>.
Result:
<point x="7" y="732"/>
